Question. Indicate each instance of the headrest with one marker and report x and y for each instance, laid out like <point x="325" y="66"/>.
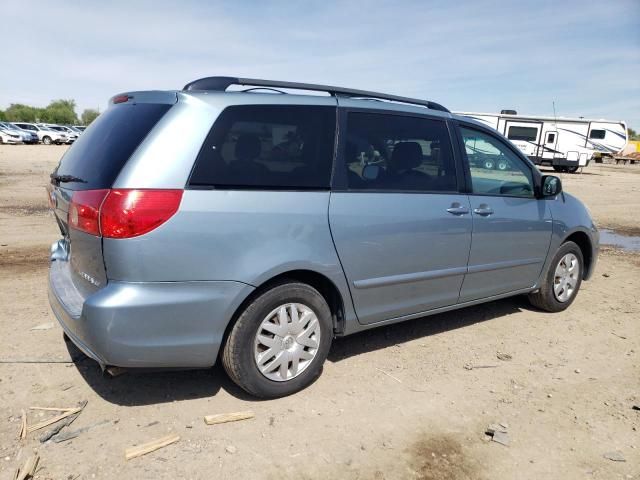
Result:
<point x="406" y="155"/>
<point x="248" y="147"/>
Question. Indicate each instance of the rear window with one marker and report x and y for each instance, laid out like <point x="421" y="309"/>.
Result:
<point x="270" y="147"/>
<point x="597" y="134"/>
<point x="96" y="158"/>
<point x="528" y="134"/>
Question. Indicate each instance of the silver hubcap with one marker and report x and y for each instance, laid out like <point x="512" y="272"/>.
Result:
<point x="566" y="277"/>
<point x="287" y="342"/>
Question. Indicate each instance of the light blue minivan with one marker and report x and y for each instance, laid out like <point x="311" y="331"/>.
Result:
<point x="256" y="220"/>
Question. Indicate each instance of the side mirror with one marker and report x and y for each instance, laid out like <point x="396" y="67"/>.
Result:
<point x="551" y="186"/>
<point x="370" y="172"/>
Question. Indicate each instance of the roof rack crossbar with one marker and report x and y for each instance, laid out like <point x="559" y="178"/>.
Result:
<point x="222" y="83"/>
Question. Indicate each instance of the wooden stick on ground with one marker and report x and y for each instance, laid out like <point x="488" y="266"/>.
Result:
<point x="57" y="418"/>
<point x="149" y="447"/>
<point x="227" y="417"/>
<point x="28" y="470"/>
<point x="23" y="428"/>
<point x="53" y="409"/>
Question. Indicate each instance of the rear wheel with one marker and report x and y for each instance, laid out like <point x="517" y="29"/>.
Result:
<point x="503" y="165"/>
<point x="488" y="164"/>
<point x="562" y="280"/>
<point x="559" y="169"/>
<point x="572" y="169"/>
<point x="46" y="140"/>
<point x="280" y="341"/>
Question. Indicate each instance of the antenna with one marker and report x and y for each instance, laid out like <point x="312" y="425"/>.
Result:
<point x="555" y="119"/>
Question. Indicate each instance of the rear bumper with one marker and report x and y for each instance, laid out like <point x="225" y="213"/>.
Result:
<point x="164" y="324"/>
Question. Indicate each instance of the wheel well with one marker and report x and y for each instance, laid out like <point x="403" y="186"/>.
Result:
<point x="582" y="240"/>
<point x="318" y="281"/>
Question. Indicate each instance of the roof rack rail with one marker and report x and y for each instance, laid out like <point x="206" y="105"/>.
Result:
<point x="222" y="83"/>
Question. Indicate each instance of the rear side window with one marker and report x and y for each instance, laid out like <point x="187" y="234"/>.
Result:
<point x="528" y="134"/>
<point x="268" y="146"/>
<point x="398" y="153"/>
<point x="597" y="134"/>
<point x="96" y="158"/>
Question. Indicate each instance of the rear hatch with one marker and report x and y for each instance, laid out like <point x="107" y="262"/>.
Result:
<point x="87" y="170"/>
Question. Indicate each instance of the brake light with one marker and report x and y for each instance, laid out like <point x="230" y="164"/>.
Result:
<point x="122" y="213"/>
<point x="130" y="213"/>
<point x="84" y="210"/>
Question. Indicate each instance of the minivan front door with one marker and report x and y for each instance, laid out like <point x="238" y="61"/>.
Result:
<point x="400" y="227"/>
<point x="511" y="228"/>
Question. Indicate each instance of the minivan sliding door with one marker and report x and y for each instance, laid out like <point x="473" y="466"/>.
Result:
<point x="401" y="228"/>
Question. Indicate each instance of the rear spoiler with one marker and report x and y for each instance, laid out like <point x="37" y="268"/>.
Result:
<point x="149" y="96"/>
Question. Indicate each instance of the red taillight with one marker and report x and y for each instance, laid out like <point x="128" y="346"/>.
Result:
<point x="122" y="213"/>
<point x="84" y="210"/>
<point x="129" y="213"/>
<point x="121" y="99"/>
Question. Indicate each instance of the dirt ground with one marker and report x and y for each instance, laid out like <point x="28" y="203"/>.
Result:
<point x="392" y="403"/>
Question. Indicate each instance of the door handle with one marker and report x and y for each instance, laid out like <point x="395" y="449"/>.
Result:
<point x="483" y="209"/>
<point x="457" y="209"/>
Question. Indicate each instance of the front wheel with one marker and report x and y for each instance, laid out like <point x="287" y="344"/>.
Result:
<point x="560" y="169"/>
<point x="46" y="140"/>
<point x="280" y="341"/>
<point x="572" y="169"/>
<point x="562" y="280"/>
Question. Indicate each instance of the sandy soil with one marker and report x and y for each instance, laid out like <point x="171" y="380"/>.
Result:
<point x="392" y="403"/>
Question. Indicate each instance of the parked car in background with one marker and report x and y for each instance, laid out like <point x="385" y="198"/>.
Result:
<point x="278" y="222"/>
<point x="71" y="135"/>
<point x="75" y="129"/>
<point x="9" y="136"/>
<point x="80" y="127"/>
<point x="26" y="136"/>
<point x="45" y="135"/>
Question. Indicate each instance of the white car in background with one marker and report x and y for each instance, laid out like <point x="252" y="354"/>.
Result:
<point x="45" y="135"/>
<point x="9" y="136"/>
<point x="71" y="135"/>
<point x="24" y="135"/>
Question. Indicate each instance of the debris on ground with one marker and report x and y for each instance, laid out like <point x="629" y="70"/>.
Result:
<point x="23" y="426"/>
<point x="44" y="326"/>
<point x="64" y="436"/>
<point x="227" y="417"/>
<point x="505" y="357"/>
<point x="28" y="470"/>
<point x="64" y="423"/>
<point x="389" y="375"/>
<point x="67" y="412"/>
<point x="231" y="449"/>
<point x="498" y="433"/>
<point x="615" y="456"/>
<point x="470" y="366"/>
<point x="636" y="407"/>
<point x="619" y="336"/>
<point x="152" y="446"/>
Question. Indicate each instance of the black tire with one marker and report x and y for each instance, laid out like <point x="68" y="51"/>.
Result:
<point x="46" y="140"/>
<point x="545" y="298"/>
<point x="572" y="169"/>
<point x="488" y="164"/>
<point x="559" y="169"/>
<point x="238" y="352"/>
<point x="503" y="165"/>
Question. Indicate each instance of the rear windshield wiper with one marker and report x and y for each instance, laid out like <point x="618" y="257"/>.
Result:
<point x="66" y="178"/>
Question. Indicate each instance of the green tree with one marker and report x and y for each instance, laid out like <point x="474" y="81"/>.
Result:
<point x="89" y="115"/>
<point x="60" y="111"/>
<point x="18" y="112"/>
<point x="632" y="134"/>
<point x="3" y="117"/>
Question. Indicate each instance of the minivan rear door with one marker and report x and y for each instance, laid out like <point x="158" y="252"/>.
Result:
<point x="93" y="163"/>
<point x="401" y="228"/>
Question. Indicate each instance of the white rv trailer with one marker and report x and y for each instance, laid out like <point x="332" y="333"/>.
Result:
<point x="564" y="143"/>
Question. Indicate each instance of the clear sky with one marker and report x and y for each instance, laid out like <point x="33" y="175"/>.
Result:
<point x="468" y="55"/>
